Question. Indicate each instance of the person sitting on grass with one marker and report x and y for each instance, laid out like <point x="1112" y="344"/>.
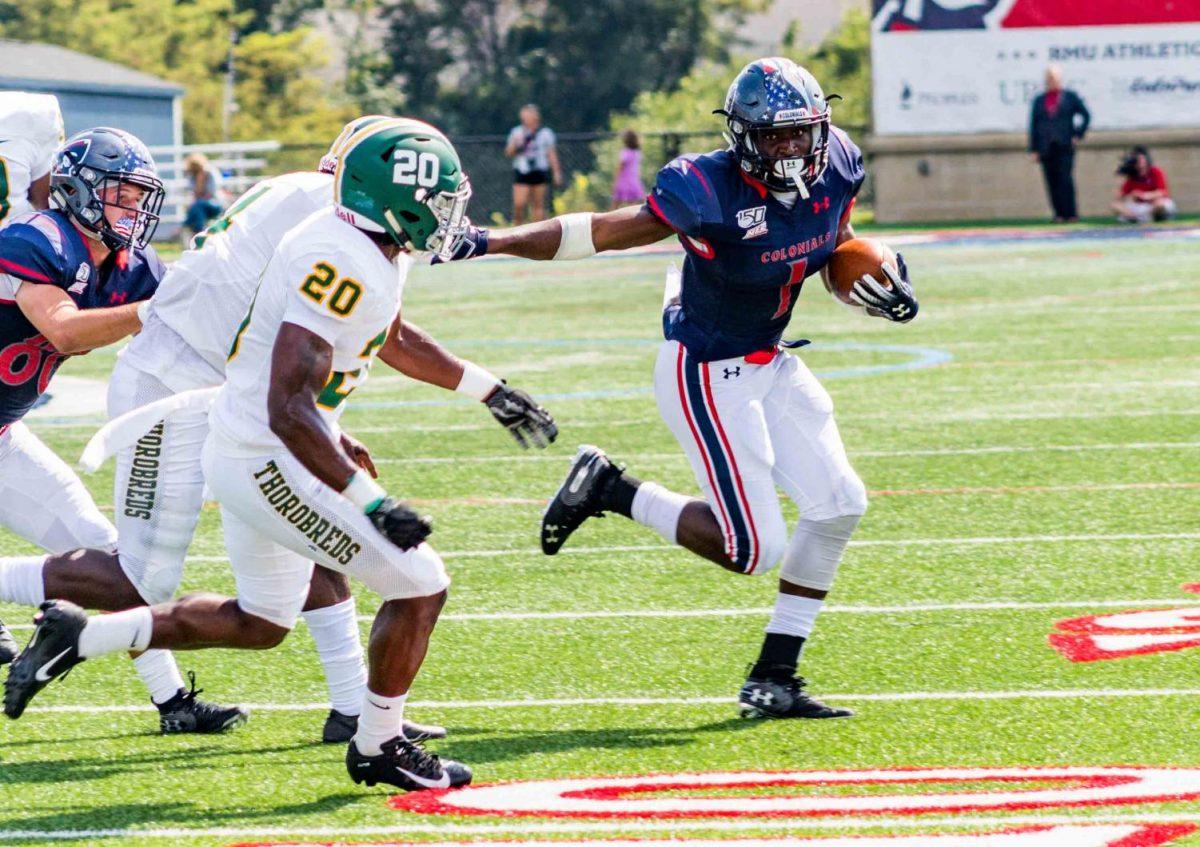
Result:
<point x="1143" y="195"/>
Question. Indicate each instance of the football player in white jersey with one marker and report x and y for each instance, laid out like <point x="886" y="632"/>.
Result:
<point x="159" y="484"/>
<point x="328" y="304"/>
<point x="31" y="130"/>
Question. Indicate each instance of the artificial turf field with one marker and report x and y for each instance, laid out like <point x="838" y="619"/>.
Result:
<point x="1031" y="447"/>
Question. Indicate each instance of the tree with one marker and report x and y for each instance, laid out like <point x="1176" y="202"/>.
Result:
<point x="468" y="64"/>
<point x="840" y="62"/>
<point x="187" y="41"/>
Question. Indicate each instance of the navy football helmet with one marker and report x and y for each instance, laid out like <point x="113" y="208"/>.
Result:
<point x="95" y="160"/>
<point x="775" y="97"/>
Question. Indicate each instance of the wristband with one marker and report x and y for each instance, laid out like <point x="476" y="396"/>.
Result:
<point x="576" y="240"/>
<point x="477" y="382"/>
<point x="143" y="311"/>
<point x="364" y="492"/>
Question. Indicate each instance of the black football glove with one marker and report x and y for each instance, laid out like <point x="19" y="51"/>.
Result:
<point x="399" y="524"/>
<point x="897" y="303"/>
<point x="473" y="242"/>
<point x="522" y="416"/>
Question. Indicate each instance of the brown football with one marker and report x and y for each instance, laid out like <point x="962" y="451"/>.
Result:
<point x="854" y="258"/>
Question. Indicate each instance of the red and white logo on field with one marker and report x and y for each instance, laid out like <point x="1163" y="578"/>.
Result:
<point x="814" y="793"/>
<point x="1109" y="835"/>
<point x="1092" y="638"/>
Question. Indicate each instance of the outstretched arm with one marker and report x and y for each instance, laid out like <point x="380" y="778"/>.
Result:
<point x="572" y="236"/>
<point x="69" y="328"/>
<point x="415" y="353"/>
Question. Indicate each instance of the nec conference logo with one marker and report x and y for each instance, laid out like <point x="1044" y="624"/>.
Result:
<point x="911" y="98"/>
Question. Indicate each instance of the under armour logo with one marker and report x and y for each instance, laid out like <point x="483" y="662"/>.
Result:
<point x="552" y="534"/>
<point x="900" y="310"/>
<point x="760" y="696"/>
<point x="732" y="372"/>
<point x="118" y="297"/>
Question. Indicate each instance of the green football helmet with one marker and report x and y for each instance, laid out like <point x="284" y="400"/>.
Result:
<point x="403" y="177"/>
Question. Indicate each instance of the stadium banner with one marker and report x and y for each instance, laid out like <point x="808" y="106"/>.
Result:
<point x="967" y="66"/>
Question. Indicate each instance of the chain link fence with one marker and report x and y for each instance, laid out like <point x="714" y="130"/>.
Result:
<point x="588" y="160"/>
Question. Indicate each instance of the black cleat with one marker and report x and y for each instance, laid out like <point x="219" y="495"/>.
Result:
<point x="53" y="649"/>
<point x="405" y="765"/>
<point x="185" y="713"/>
<point x="579" y="497"/>
<point x="340" y="728"/>
<point x="780" y="696"/>
<point x="8" y="645"/>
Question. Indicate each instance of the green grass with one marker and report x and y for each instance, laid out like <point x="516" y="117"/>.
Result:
<point x="1089" y="346"/>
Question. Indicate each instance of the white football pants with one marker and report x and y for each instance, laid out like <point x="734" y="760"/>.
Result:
<point x="747" y="428"/>
<point x="43" y="500"/>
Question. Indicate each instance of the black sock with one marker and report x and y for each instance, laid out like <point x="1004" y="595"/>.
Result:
<point x="619" y="494"/>
<point x="779" y="655"/>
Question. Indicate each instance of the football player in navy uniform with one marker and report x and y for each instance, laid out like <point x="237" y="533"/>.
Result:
<point x="71" y="280"/>
<point x="755" y="220"/>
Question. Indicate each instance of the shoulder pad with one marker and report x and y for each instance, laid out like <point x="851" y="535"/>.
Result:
<point x="846" y="159"/>
<point x="683" y="196"/>
<point x="31" y="249"/>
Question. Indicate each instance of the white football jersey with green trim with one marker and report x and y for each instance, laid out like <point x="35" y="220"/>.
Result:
<point x="31" y="131"/>
<point x="204" y="296"/>
<point x="332" y="280"/>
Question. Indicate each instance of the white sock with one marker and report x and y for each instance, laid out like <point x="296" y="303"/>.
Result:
<point x="128" y="630"/>
<point x="380" y="721"/>
<point x="658" y="508"/>
<point x="335" y="631"/>
<point x="21" y="580"/>
<point x="159" y="674"/>
<point x="794" y="615"/>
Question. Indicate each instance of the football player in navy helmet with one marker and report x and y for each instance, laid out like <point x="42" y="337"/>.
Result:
<point x="755" y="219"/>
<point x="72" y="279"/>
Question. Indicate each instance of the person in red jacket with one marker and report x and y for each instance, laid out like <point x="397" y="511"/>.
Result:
<point x="1143" y="195"/>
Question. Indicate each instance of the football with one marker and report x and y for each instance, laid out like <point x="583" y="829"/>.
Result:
<point x="851" y="260"/>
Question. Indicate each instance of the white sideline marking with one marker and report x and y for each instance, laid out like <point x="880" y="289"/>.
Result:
<point x="879" y="542"/>
<point x="531" y="827"/>
<point x="913" y="608"/>
<point x="871" y="454"/>
<point x="547" y="703"/>
<point x="757" y="611"/>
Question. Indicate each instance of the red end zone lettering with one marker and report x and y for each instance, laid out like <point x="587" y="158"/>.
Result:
<point x="625" y="797"/>
<point x="1094" y="638"/>
<point x="1109" y="835"/>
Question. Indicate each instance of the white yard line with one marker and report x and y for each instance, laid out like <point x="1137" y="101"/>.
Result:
<point x="863" y="822"/>
<point x="872" y="454"/>
<point x="567" y="702"/>
<point x="759" y="611"/>
<point x="879" y="542"/>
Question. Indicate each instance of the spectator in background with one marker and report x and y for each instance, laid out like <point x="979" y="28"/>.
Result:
<point x="531" y="146"/>
<point x="1057" y="122"/>
<point x="627" y="182"/>
<point x="1143" y="195"/>
<point x="205" y="182"/>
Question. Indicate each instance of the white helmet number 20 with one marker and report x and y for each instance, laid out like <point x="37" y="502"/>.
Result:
<point x="413" y="168"/>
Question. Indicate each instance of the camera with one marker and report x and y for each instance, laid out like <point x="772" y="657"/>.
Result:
<point x="1128" y="167"/>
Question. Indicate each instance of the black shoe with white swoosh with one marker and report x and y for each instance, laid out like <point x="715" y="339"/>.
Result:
<point x="8" y="645"/>
<point x="51" y="652"/>
<point x="406" y="765"/>
<point x="581" y="496"/>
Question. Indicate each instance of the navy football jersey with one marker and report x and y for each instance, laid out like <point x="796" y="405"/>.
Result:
<point x="44" y="248"/>
<point x="747" y="253"/>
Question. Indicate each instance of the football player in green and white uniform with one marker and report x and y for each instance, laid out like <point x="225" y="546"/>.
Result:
<point x="188" y="328"/>
<point x="290" y="494"/>
<point x="31" y="129"/>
